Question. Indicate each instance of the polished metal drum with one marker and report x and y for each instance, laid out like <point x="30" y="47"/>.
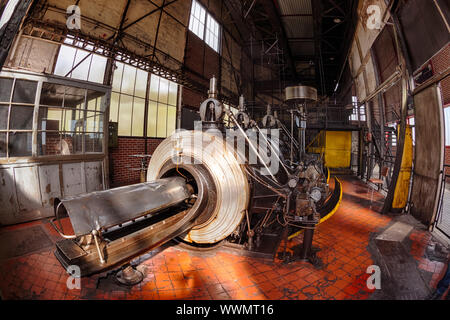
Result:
<point x="229" y="179"/>
<point x="301" y="94"/>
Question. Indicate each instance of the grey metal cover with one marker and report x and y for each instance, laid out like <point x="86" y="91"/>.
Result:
<point x="105" y="209"/>
<point x="302" y="93"/>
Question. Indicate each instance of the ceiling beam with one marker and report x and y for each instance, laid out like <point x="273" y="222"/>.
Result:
<point x="277" y="25"/>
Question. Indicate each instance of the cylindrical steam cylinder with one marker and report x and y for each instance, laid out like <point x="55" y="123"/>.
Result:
<point x="190" y="152"/>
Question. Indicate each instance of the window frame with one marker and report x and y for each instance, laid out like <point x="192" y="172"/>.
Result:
<point x="149" y="102"/>
<point x="204" y="33"/>
<point x="36" y="131"/>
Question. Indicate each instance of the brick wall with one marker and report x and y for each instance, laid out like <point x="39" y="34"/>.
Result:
<point x="121" y="161"/>
<point x="440" y="63"/>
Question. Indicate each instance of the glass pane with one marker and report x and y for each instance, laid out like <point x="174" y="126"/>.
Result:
<point x="90" y="121"/>
<point x="92" y="104"/>
<point x="82" y="70"/>
<point x="141" y="83"/>
<point x="163" y="90"/>
<point x="50" y="143"/>
<point x="94" y="143"/>
<point x="138" y="117"/>
<point x="171" y="120"/>
<point x="154" y="88"/>
<point x="24" y="91"/>
<point x="98" y="66"/>
<point x="52" y="94"/>
<point x="50" y="119"/>
<point x="2" y="145"/>
<point x="117" y="78"/>
<point x="152" y="116"/>
<point x="129" y="79"/>
<point x="5" y="89"/>
<point x="76" y="140"/>
<point x="162" y="121"/>
<point x="21" y="118"/>
<point x="20" y="144"/>
<point x="70" y="120"/>
<point x="4" y="117"/>
<point x="74" y="97"/>
<point x="125" y="109"/>
<point x="173" y="91"/>
<point x="114" y="107"/>
<point x="64" y="63"/>
<point x="99" y="118"/>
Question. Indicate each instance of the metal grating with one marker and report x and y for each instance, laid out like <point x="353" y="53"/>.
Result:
<point x="288" y="7"/>
<point x="299" y="27"/>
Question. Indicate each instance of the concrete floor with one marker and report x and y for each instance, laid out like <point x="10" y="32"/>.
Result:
<point x="346" y="243"/>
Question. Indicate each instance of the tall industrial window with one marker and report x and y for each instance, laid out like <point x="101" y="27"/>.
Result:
<point x="359" y="112"/>
<point x="197" y="20"/>
<point x="80" y="64"/>
<point x="208" y="30"/>
<point x="212" y="33"/>
<point x="447" y="125"/>
<point x="128" y="103"/>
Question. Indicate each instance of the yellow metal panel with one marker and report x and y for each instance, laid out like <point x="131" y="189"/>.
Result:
<point x="404" y="178"/>
<point x="338" y="149"/>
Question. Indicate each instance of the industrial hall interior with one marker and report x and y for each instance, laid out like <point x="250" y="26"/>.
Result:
<point x="224" y="150"/>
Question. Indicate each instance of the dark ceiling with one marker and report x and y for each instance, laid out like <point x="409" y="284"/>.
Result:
<point x="307" y="39"/>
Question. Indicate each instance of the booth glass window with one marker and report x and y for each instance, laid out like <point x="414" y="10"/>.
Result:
<point x="66" y="120"/>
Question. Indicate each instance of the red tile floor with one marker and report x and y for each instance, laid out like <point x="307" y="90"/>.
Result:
<point x="172" y="273"/>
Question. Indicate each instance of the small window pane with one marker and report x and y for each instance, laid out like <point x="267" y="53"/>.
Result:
<point x="163" y="90"/>
<point x="4" y="117"/>
<point x="50" y="143"/>
<point x="2" y="145"/>
<point x="52" y="95"/>
<point x="126" y="106"/>
<point x="92" y="105"/>
<point x="173" y="92"/>
<point x="117" y="78"/>
<point x="94" y="143"/>
<point x="82" y="70"/>
<point x="152" y="117"/>
<point x="24" y="91"/>
<point x="138" y="117"/>
<point x="20" y="144"/>
<point x="50" y="119"/>
<point x="114" y="107"/>
<point x="162" y="121"/>
<point x="74" y="97"/>
<point x="129" y="79"/>
<point x="171" y="120"/>
<point x="21" y="118"/>
<point x="98" y="67"/>
<point x="154" y="88"/>
<point x="90" y="121"/>
<point x="141" y="83"/>
<point x="64" y="63"/>
<point x="5" y="89"/>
